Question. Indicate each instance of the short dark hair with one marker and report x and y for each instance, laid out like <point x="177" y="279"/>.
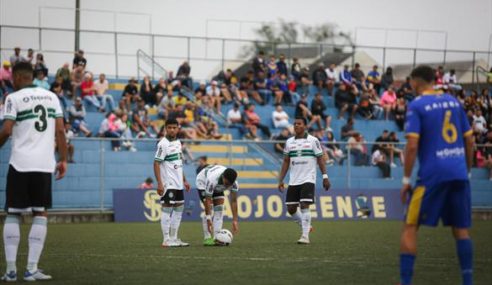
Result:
<point x="171" y="121"/>
<point x="23" y="68"/>
<point x="230" y="174"/>
<point x="423" y="72"/>
<point x="302" y="119"/>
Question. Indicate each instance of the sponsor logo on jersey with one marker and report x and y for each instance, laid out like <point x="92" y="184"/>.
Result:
<point x="9" y="106"/>
<point x="25" y="99"/>
<point x="294" y="163"/>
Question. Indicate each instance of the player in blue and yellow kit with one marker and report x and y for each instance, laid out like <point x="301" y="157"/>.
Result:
<point x="438" y="133"/>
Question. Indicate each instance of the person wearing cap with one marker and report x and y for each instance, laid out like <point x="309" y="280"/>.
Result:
<point x="130" y="93"/>
<point x="79" y="60"/>
<point x="6" y="77"/>
<point x="16" y="57"/>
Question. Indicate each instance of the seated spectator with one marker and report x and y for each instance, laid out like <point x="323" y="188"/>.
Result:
<point x="400" y="112"/>
<point x="375" y="102"/>
<point x="16" y="57"/>
<point x="388" y="102"/>
<point x="40" y="65"/>
<point x="282" y="66"/>
<point x="319" y="77"/>
<point x="253" y="119"/>
<point x="374" y="78"/>
<point x="281" y="119"/>
<point x="303" y="111"/>
<point x="364" y="108"/>
<point x="160" y="89"/>
<point x="333" y="148"/>
<point x="166" y="105"/>
<point x="379" y="159"/>
<point x="57" y="89"/>
<point x="272" y="66"/>
<point x="106" y="100"/>
<point x="407" y="91"/>
<point x="281" y="89"/>
<point x="77" y="76"/>
<point x="64" y="73"/>
<point x="6" y="79"/>
<point x="89" y="92"/>
<point x="358" y="150"/>
<point x="213" y="93"/>
<point x="346" y="76"/>
<point x="109" y="129"/>
<point x="146" y="92"/>
<point x="305" y="81"/>
<point x="77" y="118"/>
<point x="192" y="119"/>
<point x="348" y="129"/>
<point x="185" y="132"/>
<point x="358" y="77"/>
<point x="180" y="100"/>
<point x="148" y="184"/>
<point x="479" y="122"/>
<point x="439" y="76"/>
<point x="183" y="75"/>
<point x="450" y="80"/>
<point x="487" y="154"/>
<point x="332" y="78"/>
<point x="393" y="139"/>
<point x="292" y="84"/>
<point x="387" y="78"/>
<point x="68" y="136"/>
<point x="79" y="60"/>
<point x="387" y="145"/>
<point x="261" y="85"/>
<point x="130" y="93"/>
<point x="211" y="127"/>
<point x="235" y="119"/>
<point x="279" y="146"/>
<point x="141" y="121"/>
<point x="318" y="108"/>
<point x="40" y="80"/>
<point x="346" y="100"/>
<point x="124" y="130"/>
<point x="259" y="63"/>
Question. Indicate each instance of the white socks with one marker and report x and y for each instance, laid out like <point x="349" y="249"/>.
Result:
<point x="206" y="234"/>
<point x="297" y="216"/>
<point x="306" y="222"/>
<point x="176" y="221"/>
<point x="166" y="222"/>
<point x="218" y="218"/>
<point x="37" y="236"/>
<point x="11" y="239"/>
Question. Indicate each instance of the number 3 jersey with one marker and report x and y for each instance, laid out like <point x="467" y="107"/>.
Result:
<point x="303" y="153"/>
<point x="440" y="123"/>
<point x="169" y="155"/>
<point x="34" y="111"/>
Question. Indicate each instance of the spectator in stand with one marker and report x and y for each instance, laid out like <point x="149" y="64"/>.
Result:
<point x="77" y="77"/>
<point x="358" y="77"/>
<point x="379" y="159"/>
<point x="332" y="78"/>
<point x="261" y="85"/>
<point x="346" y="100"/>
<point x="64" y="73"/>
<point x="451" y="81"/>
<point x="281" y="90"/>
<point x="487" y="154"/>
<point x="281" y="119"/>
<point x="213" y="93"/>
<point x="292" y="85"/>
<point x="332" y="148"/>
<point x="211" y="127"/>
<point x="30" y="55"/>
<point x="141" y="121"/>
<point x="130" y="93"/>
<point x="235" y="119"/>
<point x="184" y="75"/>
<point x="101" y="87"/>
<point x="387" y="78"/>
<point x="303" y="111"/>
<point x="259" y="63"/>
<point x="375" y="102"/>
<point x="124" y="129"/>
<point x="6" y="79"/>
<point x="79" y="60"/>
<point x="400" y="112"/>
<point x="89" y="92"/>
<point x="202" y="163"/>
<point x="160" y="89"/>
<point x="305" y="81"/>
<point x="41" y="81"/>
<point x="439" y="75"/>
<point x="406" y="89"/>
<point x="57" y="89"/>
<point x="374" y="78"/>
<point x="347" y="130"/>
<point x="109" y="129"/>
<point x="16" y="57"/>
<point x="202" y="88"/>
<point x="77" y="117"/>
<point x="295" y="69"/>
<point x="479" y="122"/>
<point x="40" y="65"/>
<point x="166" y="105"/>
<point x="386" y="143"/>
<point x="388" y="101"/>
<point x="319" y="77"/>
<point x="318" y="108"/>
<point x="284" y="135"/>
<point x="68" y="136"/>
<point x="148" y="184"/>
<point x="358" y="149"/>
<point x="146" y="92"/>
<point x="364" y="108"/>
<point x="346" y="76"/>
<point x="272" y="66"/>
<point x="393" y="139"/>
<point x="252" y="118"/>
<point x="282" y="66"/>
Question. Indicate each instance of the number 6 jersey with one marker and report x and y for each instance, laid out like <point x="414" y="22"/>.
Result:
<point x="34" y="111"/>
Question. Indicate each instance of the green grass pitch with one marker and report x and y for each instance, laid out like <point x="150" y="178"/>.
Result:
<point x="351" y="252"/>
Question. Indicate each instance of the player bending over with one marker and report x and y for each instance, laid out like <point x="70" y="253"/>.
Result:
<point x="211" y="183"/>
<point x="438" y="133"/>
<point x="301" y="153"/>
<point x="168" y="170"/>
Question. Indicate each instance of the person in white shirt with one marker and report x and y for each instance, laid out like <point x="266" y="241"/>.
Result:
<point x="301" y="154"/>
<point x="281" y="119"/>
<point x="34" y="119"/>
<point x="479" y="122"/>
<point x="379" y="159"/>
<point x="332" y="77"/>
<point x="235" y="119"/>
<point x="449" y="79"/>
<point x="213" y="92"/>
<point x="102" y="87"/>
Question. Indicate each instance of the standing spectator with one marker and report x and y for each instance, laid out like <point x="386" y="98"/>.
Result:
<point x="259" y="63"/>
<point x="374" y="78"/>
<point x="332" y="78"/>
<point x="146" y="92"/>
<point x="346" y="76"/>
<point x="202" y="163"/>
<point x="40" y="65"/>
<point x="101" y="86"/>
<point x="358" y="149"/>
<point x="184" y="75"/>
<point x="387" y="78"/>
<point x="272" y="67"/>
<point x="388" y="101"/>
<point x="77" y="117"/>
<point x="68" y="136"/>
<point x="261" y="85"/>
<point x="79" y="60"/>
<point x="64" y="73"/>
<point x="6" y="80"/>
<point x="295" y="69"/>
<point x="254" y="119"/>
<point x="281" y="119"/>
<point x="130" y="93"/>
<point x="235" y="119"/>
<point x="379" y="160"/>
<point x="148" y="184"/>
<point x="319" y="77"/>
<point x="30" y="55"/>
<point x="400" y="112"/>
<point x="347" y="130"/>
<point x="346" y="100"/>
<point x="89" y="92"/>
<point x="16" y="57"/>
<point x="282" y="66"/>
<point x="318" y="108"/>
<point x="358" y="77"/>
<point x="41" y="81"/>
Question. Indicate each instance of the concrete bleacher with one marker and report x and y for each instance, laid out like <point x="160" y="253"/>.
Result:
<point x="98" y="170"/>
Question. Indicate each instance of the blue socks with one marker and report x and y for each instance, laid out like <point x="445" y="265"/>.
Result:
<point x="406" y="268"/>
<point x="464" y="249"/>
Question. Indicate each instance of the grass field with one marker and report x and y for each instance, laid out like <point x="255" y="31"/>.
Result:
<point x="362" y="252"/>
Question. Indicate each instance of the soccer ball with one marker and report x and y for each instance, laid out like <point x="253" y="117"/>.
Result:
<point x="223" y="237"/>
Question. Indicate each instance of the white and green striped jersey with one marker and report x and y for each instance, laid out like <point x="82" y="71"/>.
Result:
<point x="303" y="153"/>
<point x="34" y="111"/>
<point x="210" y="180"/>
<point x="169" y="154"/>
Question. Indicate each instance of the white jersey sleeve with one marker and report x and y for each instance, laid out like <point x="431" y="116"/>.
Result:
<point x="160" y="154"/>
<point x="318" y="151"/>
<point x="10" y="109"/>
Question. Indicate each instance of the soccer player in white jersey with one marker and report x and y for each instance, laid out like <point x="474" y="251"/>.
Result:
<point x="168" y="170"/>
<point x="34" y="120"/>
<point x="301" y="153"/>
<point x="211" y="183"/>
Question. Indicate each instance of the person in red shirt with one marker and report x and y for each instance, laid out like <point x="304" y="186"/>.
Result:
<point x="253" y="119"/>
<point x="89" y="92"/>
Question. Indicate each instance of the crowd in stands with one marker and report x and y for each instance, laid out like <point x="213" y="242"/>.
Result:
<point x="270" y="81"/>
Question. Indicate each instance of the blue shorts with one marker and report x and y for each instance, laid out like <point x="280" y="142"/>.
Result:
<point x="449" y="201"/>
